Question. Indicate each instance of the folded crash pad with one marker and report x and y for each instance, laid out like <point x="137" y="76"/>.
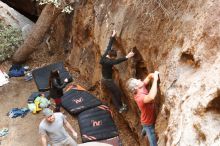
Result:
<point x="97" y="124"/>
<point x="76" y="101"/>
<point x="41" y="75"/>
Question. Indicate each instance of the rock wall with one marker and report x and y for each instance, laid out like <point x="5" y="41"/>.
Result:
<point x="181" y="39"/>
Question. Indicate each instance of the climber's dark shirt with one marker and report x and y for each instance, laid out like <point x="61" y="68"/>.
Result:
<point x="108" y="63"/>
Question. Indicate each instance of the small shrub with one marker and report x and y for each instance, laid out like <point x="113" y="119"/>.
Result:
<point x="10" y="39"/>
<point x="66" y="8"/>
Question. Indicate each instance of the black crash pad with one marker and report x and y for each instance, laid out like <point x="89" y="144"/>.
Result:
<point x="41" y="75"/>
<point x="97" y="124"/>
<point x="76" y="101"/>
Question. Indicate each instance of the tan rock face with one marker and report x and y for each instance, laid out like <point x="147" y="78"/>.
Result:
<point x="180" y="39"/>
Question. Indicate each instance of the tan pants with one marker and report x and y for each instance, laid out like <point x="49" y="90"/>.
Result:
<point x="67" y="142"/>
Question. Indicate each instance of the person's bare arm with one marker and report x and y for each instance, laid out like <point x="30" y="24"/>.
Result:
<point x="148" y="78"/>
<point x="153" y="91"/>
<point x="43" y="140"/>
<point x="67" y="124"/>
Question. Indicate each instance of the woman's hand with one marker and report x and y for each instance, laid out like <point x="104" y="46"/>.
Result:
<point x="65" y="80"/>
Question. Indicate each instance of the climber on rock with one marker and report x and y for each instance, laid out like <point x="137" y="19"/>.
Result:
<point x="145" y="102"/>
<point x="108" y="60"/>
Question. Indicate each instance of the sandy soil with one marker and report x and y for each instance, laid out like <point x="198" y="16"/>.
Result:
<point x="22" y="131"/>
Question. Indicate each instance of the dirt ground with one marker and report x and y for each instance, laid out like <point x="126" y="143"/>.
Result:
<point x="24" y="131"/>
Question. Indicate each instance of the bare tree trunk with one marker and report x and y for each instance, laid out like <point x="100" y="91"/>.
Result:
<point x="44" y="22"/>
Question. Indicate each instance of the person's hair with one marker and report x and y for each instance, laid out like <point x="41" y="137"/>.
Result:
<point x="47" y="112"/>
<point x="112" y="53"/>
<point x="132" y="84"/>
<point x="53" y="75"/>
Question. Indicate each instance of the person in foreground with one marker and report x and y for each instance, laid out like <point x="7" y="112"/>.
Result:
<point x="145" y="102"/>
<point x="108" y="60"/>
<point x="52" y="128"/>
